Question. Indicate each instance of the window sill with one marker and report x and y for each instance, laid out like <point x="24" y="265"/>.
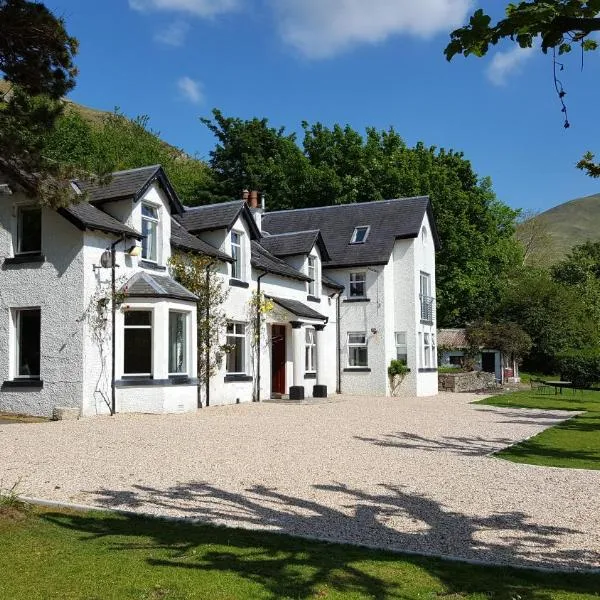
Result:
<point x="235" y="377"/>
<point x="146" y="264"/>
<point x="145" y="381"/>
<point x="310" y="298"/>
<point x="22" y="383"/>
<point x="239" y="283"/>
<point x="357" y="370"/>
<point x="310" y="375"/>
<point x="356" y="300"/>
<point x="23" y="259"/>
<point x="428" y="370"/>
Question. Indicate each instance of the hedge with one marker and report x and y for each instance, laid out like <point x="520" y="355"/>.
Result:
<point x="582" y="367"/>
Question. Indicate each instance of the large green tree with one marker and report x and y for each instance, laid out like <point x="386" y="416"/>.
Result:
<point x="36" y="59"/>
<point x="561" y="25"/>
<point x="337" y="165"/>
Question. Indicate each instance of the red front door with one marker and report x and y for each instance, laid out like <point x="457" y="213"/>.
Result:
<point x="278" y="359"/>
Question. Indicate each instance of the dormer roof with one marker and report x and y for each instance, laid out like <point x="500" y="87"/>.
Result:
<point x="295" y="243"/>
<point x="210" y="217"/>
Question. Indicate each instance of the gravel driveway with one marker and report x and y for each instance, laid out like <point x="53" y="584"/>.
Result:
<point x="407" y="473"/>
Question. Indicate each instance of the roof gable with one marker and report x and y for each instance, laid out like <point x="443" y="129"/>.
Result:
<point x="209" y="217"/>
<point x="294" y="243"/>
<point x="132" y="183"/>
<point x="388" y="220"/>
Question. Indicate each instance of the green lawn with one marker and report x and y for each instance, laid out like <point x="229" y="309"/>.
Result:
<point x="574" y="443"/>
<point x="95" y="556"/>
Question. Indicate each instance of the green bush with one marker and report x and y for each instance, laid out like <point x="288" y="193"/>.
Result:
<point x="582" y="367"/>
<point x="398" y="367"/>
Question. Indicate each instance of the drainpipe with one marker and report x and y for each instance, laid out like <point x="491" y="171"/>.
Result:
<point x="338" y="344"/>
<point x="113" y="309"/>
<point x="207" y="341"/>
<point x="257" y="395"/>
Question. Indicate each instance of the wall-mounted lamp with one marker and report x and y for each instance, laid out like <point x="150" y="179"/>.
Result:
<point x="373" y="330"/>
<point x="134" y="250"/>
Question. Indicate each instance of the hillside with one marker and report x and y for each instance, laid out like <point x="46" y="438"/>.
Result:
<point x="567" y="225"/>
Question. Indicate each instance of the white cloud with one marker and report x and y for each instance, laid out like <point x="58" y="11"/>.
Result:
<point x="505" y="64"/>
<point x="174" y="34"/>
<point x="191" y="90"/>
<point x="201" y="8"/>
<point x="322" y="28"/>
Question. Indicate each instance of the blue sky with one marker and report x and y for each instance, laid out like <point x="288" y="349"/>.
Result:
<point x="375" y="62"/>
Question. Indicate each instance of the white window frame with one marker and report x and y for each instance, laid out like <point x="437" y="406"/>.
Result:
<point x="310" y="350"/>
<point x="17" y="342"/>
<point x="19" y="230"/>
<point x="356" y="275"/>
<point x="401" y="346"/>
<point x="434" y="362"/>
<point x="427" y="349"/>
<point x="362" y="344"/>
<point x="312" y="269"/>
<point x="238" y="264"/>
<point x="239" y="336"/>
<point x="156" y="222"/>
<point x="355" y="234"/>
<point x="186" y="361"/>
<point x="130" y="327"/>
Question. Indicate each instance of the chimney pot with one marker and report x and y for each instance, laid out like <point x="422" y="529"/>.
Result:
<point x="245" y="194"/>
<point x="253" y="202"/>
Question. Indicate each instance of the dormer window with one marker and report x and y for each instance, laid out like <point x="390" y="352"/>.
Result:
<point x="150" y="232"/>
<point x="29" y="230"/>
<point x="360" y="235"/>
<point x="236" y="254"/>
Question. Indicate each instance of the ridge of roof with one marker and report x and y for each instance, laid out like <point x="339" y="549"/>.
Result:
<point x="370" y="202"/>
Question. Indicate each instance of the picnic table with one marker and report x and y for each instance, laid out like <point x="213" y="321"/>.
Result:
<point x="559" y="385"/>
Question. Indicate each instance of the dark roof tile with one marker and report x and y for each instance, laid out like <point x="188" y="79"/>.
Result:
<point x="87" y="216"/>
<point x="298" y="308"/>
<point x="263" y="260"/>
<point x="182" y="239"/>
<point x="388" y="220"/>
<point x="145" y="285"/>
<point x="293" y="243"/>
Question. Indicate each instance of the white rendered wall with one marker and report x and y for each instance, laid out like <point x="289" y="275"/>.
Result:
<point x="56" y="287"/>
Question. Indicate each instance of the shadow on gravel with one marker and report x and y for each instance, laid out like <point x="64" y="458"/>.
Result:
<point x="468" y="446"/>
<point x="365" y="518"/>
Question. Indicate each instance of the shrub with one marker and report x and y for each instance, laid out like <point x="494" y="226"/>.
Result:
<point x="582" y="366"/>
<point x="396" y="373"/>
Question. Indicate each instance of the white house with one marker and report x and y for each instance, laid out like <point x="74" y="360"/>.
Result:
<point x="352" y="287"/>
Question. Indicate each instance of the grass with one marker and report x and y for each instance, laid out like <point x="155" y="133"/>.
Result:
<point x="572" y="444"/>
<point x="96" y="556"/>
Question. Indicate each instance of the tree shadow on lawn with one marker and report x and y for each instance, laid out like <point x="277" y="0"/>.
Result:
<point x="297" y="568"/>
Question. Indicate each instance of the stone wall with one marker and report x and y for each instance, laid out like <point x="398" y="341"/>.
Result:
<point x="465" y="382"/>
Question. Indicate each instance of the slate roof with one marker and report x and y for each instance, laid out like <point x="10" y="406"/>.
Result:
<point x="388" y="220"/>
<point x="86" y="216"/>
<point x="296" y="242"/>
<point x="452" y="338"/>
<point x="131" y="183"/>
<point x="209" y="217"/>
<point x="184" y="240"/>
<point x="298" y="308"/>
<point x="330" y="282"/>
<point x="146" y="285"/>
<point x="263" y="260"/>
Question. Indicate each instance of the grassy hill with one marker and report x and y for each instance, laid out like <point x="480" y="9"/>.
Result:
<point x="565" y="226"/>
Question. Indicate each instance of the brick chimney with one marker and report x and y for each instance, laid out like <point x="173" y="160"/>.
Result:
<point x="253" y="199"/>
<point x="245" y="194"/>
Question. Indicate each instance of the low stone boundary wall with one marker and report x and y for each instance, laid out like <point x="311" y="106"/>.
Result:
<point x="465" y="382"/>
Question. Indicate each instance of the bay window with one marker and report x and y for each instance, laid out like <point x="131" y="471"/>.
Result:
<point x="178" y="363"/>
<point x="137" y="340"/>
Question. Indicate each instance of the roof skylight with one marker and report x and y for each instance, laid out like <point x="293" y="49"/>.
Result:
<point x="360" y="234"/>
